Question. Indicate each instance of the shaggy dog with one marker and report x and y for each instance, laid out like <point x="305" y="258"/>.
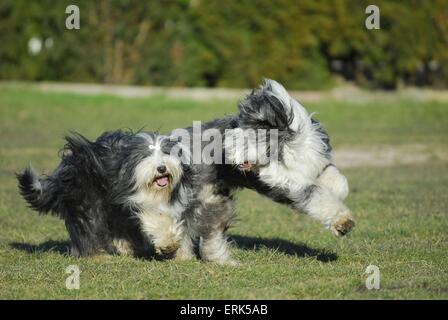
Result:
<point x="119" y="194"/>
<point x="129" y="193"/>
<point x="304" y="172"/>
<point x="302" y="175"/>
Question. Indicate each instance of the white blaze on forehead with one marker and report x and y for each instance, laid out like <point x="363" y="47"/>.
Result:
<point x="154" y="142"/>
<point x="154" y="147"/>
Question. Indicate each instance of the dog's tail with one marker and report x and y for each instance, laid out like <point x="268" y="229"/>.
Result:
<point x="80" y="166"/>
<point x="38" y="192"/>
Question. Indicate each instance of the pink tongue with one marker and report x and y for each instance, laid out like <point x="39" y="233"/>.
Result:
<point x="246" y="165"/>
<point x="162" y="181"/>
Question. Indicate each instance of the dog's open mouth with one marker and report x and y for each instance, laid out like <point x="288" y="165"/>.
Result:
<point x="162" y="181"/>
<point x="246" y="166"/>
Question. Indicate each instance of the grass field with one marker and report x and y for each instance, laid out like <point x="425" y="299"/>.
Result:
<point x="401" y="211"/>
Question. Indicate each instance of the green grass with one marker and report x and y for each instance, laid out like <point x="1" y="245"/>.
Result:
<point x="401" y="212"/>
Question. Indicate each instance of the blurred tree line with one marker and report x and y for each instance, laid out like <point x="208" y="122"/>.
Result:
<point x="232" y="43"/>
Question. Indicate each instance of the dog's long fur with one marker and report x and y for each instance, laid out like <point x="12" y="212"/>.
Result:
<point x="304" y="177"/>
<point x="106" y="193"/>
<point x="100" y="188"/>
<point x="305" y="172"/>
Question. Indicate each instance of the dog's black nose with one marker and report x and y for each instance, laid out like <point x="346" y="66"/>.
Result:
<point x="161" y="169"/>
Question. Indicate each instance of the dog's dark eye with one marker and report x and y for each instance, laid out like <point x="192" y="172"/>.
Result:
<point x="166" y="150"/>
<point x="168" y="146"/>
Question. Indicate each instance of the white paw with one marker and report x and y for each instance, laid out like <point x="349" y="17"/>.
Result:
<point x="166" y="245"/>
<point x="343" y="225"/>
<point x="167" y="242"/>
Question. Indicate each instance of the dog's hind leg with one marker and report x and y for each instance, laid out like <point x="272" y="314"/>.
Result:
<point x="333" y="180"/>
<point x="88" y="233"/>
<point x="83" y="240"/>
<point x="122" y="246"/>
<point x="323" y="205"/>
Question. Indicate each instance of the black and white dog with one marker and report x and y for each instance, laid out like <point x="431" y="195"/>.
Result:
<point x="119" y="194"/>
<point x="304" y="172"/>
<point x="302" y="175"/>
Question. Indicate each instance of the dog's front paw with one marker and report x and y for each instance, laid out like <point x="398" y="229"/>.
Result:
<point x="167" y="243"/>
<point x="342" y="226"/>
<point x="167" y="249"/>
<point x="165" y="233"/>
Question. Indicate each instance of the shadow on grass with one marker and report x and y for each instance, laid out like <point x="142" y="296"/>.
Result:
<point x="241" y="242"/>
<point x="284" y="246"/>
<point x="61" y="247"/>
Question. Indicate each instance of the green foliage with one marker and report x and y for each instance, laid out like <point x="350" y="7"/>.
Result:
<point x="232" y="43"/>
